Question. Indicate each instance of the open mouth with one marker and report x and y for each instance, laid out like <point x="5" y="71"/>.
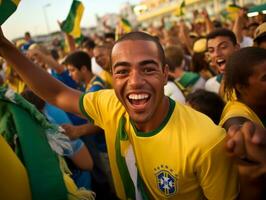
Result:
<point x="220" y="62"/>
<point x="138" y="99"/>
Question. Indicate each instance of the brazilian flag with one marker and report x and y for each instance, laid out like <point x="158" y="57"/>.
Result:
<point x="7" y="7"/>
<point x="72" y="23"/>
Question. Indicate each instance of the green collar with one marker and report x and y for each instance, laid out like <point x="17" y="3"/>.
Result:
<point x="157" y="130"/>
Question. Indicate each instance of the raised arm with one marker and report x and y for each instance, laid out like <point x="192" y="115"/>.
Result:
<point x="39" y="80"/>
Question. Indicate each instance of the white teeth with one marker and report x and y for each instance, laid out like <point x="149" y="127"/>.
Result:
<point x="220" y="60"/>
<point x="138" y="96"/>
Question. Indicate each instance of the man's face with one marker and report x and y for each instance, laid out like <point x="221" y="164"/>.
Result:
<point x="102" y="57"/>
<point x="139" y="80"/>
<point x="254" y="94"/>
<point x="75" y="73"/>
<point x="220" y="49"/>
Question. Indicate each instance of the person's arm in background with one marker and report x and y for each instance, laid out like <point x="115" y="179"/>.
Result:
<point x="39" y="80"/>
<point x="238" y="25"/>
<point x="81" y="156"/>
<point x="74" y="132"/>
<point x="246" y="143"/>
<point x="184" y="36"/>
<point x="46" y="59"/>
<point x="208" y="22"/>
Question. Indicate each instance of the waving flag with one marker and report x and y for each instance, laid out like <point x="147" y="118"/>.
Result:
<point x="72" y="23"/>
<point x="7" y="7"/>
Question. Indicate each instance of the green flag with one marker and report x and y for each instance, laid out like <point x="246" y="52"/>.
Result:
<point x="72" y="23"/>
<point x="7" y="7"/>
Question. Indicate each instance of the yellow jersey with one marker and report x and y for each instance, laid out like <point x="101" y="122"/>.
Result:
<point x="107" y="77"/>
<point x="237" y="109"/>
<point x="182" y="159"/>
<point x="14" y="178"/>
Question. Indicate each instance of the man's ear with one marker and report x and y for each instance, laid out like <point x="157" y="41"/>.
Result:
<point x="237" y="47"/>
<point x="165" y="72"/>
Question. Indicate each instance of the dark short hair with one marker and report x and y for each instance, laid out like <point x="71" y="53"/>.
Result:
<point x="208" y="103"/>
<point x="240" y="66"/>
<point x="146" y="37"/>
<point x="224" y="33"/>
<point x="109" y="35"/>
<point x="88" y="44"/>
<point x="78" y="59"/>
<point x="174" y="56"/>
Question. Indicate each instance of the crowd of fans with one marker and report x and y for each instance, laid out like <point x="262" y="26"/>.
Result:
<point x="216" y="68"/>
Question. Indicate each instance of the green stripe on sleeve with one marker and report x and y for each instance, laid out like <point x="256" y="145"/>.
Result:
<point x="82" y="109"/>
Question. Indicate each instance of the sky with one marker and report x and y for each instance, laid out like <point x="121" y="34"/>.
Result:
<point x="30" y="15"/>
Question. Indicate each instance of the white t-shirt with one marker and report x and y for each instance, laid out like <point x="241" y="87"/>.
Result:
<point x="246" y="42"/>
<point x="212" y="85"/>
<point x="95" y="68"/>
<point x="171" y="90"/>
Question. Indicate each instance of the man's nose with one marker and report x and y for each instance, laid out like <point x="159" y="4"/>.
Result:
<point x="135" y="79"/>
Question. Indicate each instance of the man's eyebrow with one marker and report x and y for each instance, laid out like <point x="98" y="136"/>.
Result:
<point x="122" y="63"/>
<point x="223" y="42"/>
<point x="145" y="62"/>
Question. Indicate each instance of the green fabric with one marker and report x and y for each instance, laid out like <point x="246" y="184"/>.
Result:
<point x="128" y="184"/>
<point x="162" y="125"/>
<point x="7" y="7"/>
<point x="141" y="187"/>
<point x="40" y="161"/>
<point x="68" y="25"/>
<point x="219" y="78"/>
<point x="189" y="79"/>
<point x="257" y="8"/>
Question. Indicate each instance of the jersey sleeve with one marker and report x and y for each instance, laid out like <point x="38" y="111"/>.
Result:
<point x="217" y="174"/>
<point x="237" y="109"/>
<point x="99" y="106"/>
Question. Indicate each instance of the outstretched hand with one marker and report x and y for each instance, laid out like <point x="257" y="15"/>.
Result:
<point x="247" y="144"/>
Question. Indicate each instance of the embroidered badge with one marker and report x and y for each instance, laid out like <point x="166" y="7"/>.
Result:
<point x="166" y="181"/>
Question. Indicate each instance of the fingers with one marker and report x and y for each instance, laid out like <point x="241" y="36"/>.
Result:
<point x="235" y="143"/>
<point x="254" y="133"/>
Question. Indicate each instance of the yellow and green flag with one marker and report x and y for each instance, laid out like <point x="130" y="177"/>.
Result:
<point x="180" y="9"/>
<point x="123" y="27"/>
<point x="72" y="23"/>
<point x="7" y="7"/>
<point x="232" y="11"/>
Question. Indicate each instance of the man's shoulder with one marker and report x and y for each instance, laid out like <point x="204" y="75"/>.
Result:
<point x="199" y="129"/>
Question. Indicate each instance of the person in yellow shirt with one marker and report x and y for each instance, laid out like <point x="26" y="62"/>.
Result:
<point x="246" y="116"/>
<point x="158" y="148"/>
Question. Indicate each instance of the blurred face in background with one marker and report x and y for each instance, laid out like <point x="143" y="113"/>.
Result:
<point x="219" y="50"/>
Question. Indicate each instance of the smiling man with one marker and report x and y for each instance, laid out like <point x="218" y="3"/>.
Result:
<point x="157" y="148"/>
<point x="221" y="44"/>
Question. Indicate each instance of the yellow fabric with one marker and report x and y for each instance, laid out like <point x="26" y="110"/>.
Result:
<point x="16" y="84"/>
<point x="189" y="147"/>
<point x="107" y="77"/>
<point x="13" y="176"/>
<point x="76" y="32"/>
<point x="238" y="109"/>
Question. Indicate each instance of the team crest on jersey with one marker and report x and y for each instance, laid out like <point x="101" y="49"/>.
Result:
<point x="166" y="180"/>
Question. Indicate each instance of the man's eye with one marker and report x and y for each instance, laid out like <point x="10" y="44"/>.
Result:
<point x="210" y="50"/>
<point x="121" y="72"/>
<point x="148" y="70"/>
<point x="223" y="46"/>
